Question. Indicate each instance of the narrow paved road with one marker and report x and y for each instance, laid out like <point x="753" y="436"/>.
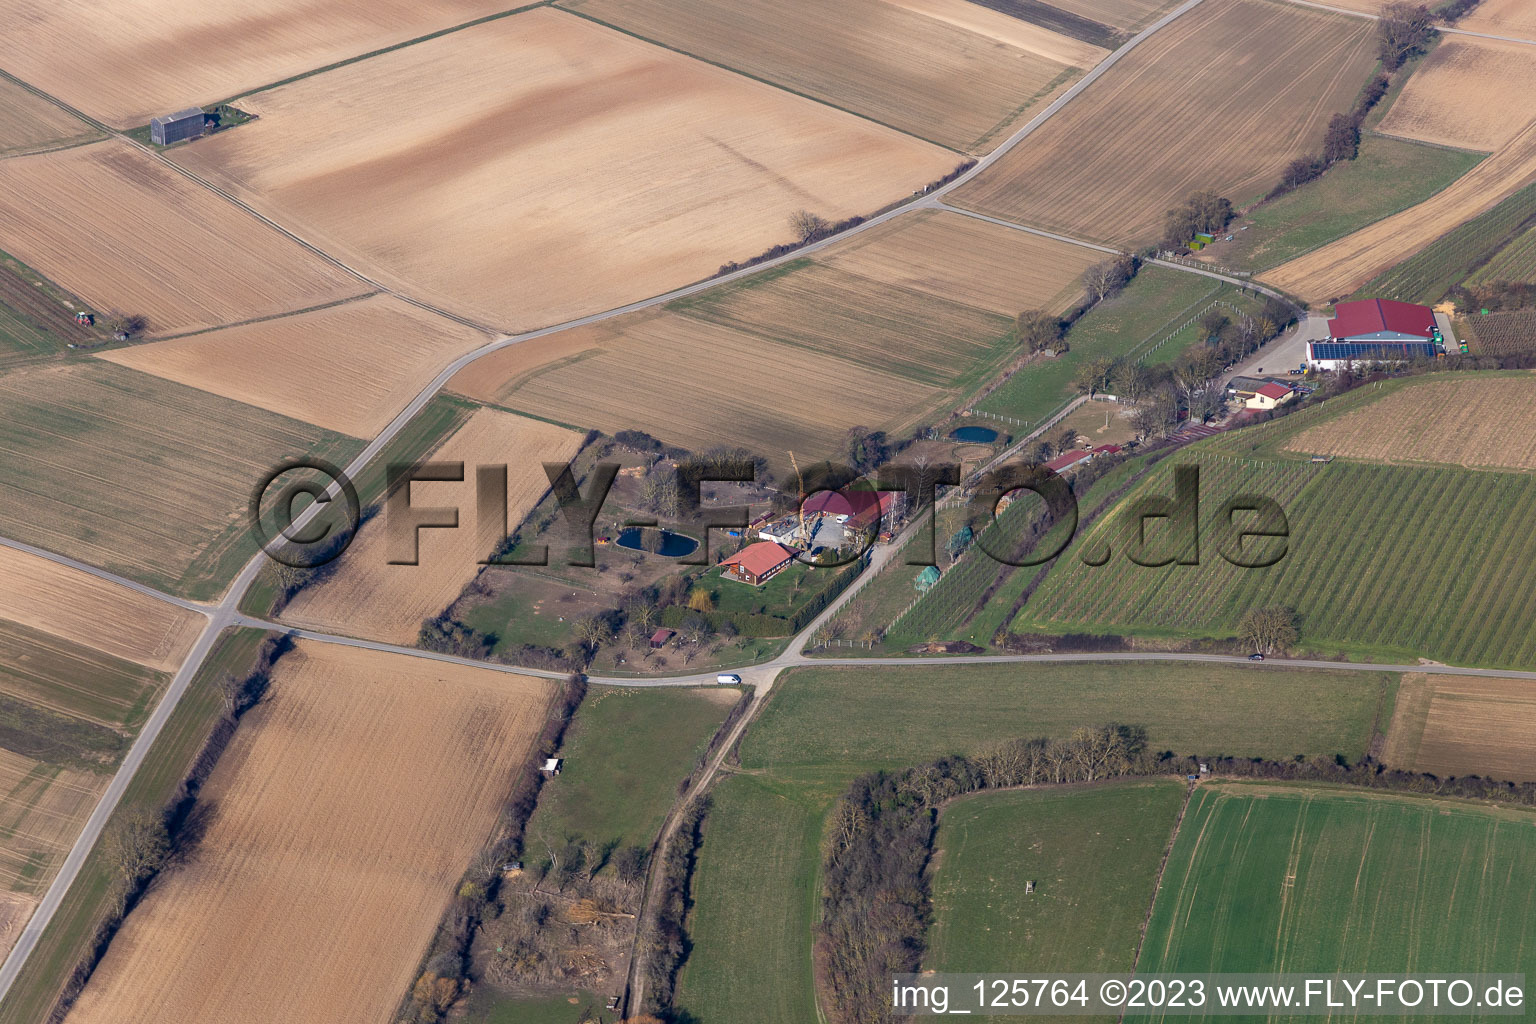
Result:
<point x="1439" y="28"/>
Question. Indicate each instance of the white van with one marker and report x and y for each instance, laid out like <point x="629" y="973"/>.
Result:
<point x="727" y="678"/>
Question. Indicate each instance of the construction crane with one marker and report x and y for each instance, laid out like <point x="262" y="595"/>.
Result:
<point x="800" y="505"/>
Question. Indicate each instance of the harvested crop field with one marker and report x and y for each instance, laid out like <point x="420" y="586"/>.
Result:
<point x="314" y="902"/>
<point x="126" y="233"/>
<point x="1455" y="726"/>
<point x="1341" y="267"/>
<point x="1483" y="422"/>
<point x="42" y="808"/>
<point x="59" y="675"/>
<point x="75" y="605"/>
<point x="29" y="123"/>
<point x="96" y="470"/>
<point x="1126" y="15"/>
<point x="348" y="368"/>
<point x="530" y="199"/>
<point x="127" y="60"/>
<point x="949" y="71"/>
<point x="1502" y="17"/>
<point x="1469" y="93"/>
<point x="1223" y="98"/>
<point x="366" y="596"/>
<point x="966" y="260"/>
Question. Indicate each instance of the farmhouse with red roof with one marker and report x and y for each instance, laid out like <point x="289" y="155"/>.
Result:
<point x="1376" y="331"/>
<point x="757" y="563"/>
<point x="1270" y="395"/>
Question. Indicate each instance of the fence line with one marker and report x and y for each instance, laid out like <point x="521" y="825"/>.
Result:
<point x="1142" y="357"/>
<point x="1200" y="265"/>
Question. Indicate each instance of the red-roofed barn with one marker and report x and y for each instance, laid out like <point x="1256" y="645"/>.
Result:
<point x="757" y="563"/>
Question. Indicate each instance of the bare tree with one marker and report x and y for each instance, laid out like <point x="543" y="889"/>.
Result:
<point x="1402" y="30"/>
<point x="1268" y="630"/>
<point x="1038" y="330"/>
<point x="808" y="226"/>
<point x="137" y="845"/>
<point x="1105" y="278"/>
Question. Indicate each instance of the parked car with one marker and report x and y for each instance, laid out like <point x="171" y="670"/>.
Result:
<point x="727" y="678"/>
<point x="1255" y="656"/>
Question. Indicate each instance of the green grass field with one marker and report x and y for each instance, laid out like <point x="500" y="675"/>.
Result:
<point x="838" y="721"/>
<point x="1157" y="301"/>
<point x="1383" y="562"/>
<point x="1093" y="853"/>
<point x="1272" y="878"/>
<point x="1428" y="274"/>
<point x="755" y="894"/>
<point x="484" y="1007"/>
<point x="1388" y="176"/>
<point x="69" y="934"/>
<point x="625" y="753"/>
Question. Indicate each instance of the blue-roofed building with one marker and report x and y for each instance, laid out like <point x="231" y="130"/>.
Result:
<point x="1331" y="355"/>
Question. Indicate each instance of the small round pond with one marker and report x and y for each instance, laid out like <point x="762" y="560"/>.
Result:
<point x="644" y="538"/>
<point x="977" y="435"/>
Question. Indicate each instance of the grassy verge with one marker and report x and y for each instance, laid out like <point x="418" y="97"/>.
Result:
<point x="70" y="934"/>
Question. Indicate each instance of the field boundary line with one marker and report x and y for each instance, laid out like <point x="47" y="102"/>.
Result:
<point x="110" y="577"/>
<point x="264" y="319"/>
<point x="1157" y="883"/>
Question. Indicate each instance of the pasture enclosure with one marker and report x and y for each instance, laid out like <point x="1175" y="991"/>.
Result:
<point x="28" y="122"/>
<point x="149" y="57"/>
<point x="1470" y="93"/>
<point x="1482" y="422"/>
<point x="1458" y="726"/>
<point x="1183" y="113"/>
<point x="1379" y="560"/>
<point x="314" y="901"/>
<point x="1279" y="878"/>
<point x="497" y="196"/>
<point x="966" y="260"/>
<point x="908" y="714"/>
<point x="126" y="233"/>
<point x="348" y="368"/>
<point x="1093" y="855"/>
<point x="74" y="605"/>
<point x="363" y="595"/>
<point x="100" y="473"/>
<point x="949" y="71"/>
<point x="1339" y="268"/>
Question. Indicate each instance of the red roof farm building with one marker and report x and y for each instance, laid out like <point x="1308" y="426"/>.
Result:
<point x="757" y="563"/>
<point x="1375" y="331"/>
<point x="856" y="506"/>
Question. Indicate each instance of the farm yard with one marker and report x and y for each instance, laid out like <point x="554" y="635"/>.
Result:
<point x="556" y="227"/>
<point x="125" y="233"/>
<point x="1469" y="93"/>
<point x="1480" y="422"/>
<point x="1092" y="853"/>
<point x="1385" y="247"/>
<point x="29" y="123"/>
<point x="348" y="368"/>
<point x="1427" y="565"/>
<point x="248" y="930"/>
<point x="1180" y="114"/>
<point x="100" y="472"/>
<point x="1456" y="726"/>
<point x="949" y="71"/>
<point x="149" y="57"/>
<point x="366" y="596"/>
<point x="74" y="605"/>
<point x="1274" y="878"/>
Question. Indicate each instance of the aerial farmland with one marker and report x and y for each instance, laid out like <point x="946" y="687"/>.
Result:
<point x="694" y="511"/>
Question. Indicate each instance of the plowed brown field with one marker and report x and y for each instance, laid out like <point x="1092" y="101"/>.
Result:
<point x="28" y="122"/>
<point x="947" y="70"/>
<point x="342" y="815"/>
<point x="77" y="606"/>
<point x="1455" y="725"/>
<point x="349" y="368"/>
<point x="604" y="170"/>
<point x="123" y="232"/>
<point x="1484" y="422"/>
<point x="1220" y="99"/>
<point x="1471" y="93"/>
<point x="1515" y="18"/>
<point x="1341" y="267"/>
<point x="124" y="61"/>
<point x="366" y="596"/>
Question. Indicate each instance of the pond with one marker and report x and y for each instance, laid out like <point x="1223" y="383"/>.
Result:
<point x="673" y="545"/>
<point x="978" y="435"/>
